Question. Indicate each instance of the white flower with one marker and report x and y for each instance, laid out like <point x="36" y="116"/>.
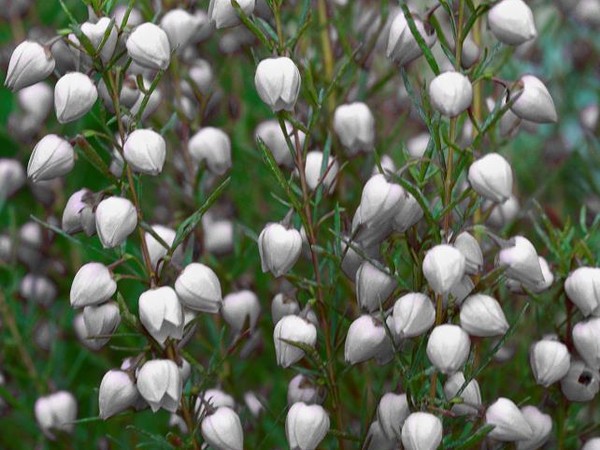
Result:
<point x="271" y="134"/>
<point x="306" y="426"/>
<point x="148" y="46"/>
<point x="301" y="389"/>
<point x="364" y="339"/>
<point x="413" y="314"/>
<point x="277" y="81"/>
<point x="223" y="14"/>
<point x="541" y="425"/>
<point x="471" y="395"/>
<point x="482" y="315"/>
<point x="491" y="177"/>
<point x="214" y="398"/>
<point x="354" y="125"/>
<point x="392" y="411"/>
<point x="52" y="157"/>
<point x="29" y="63"/>
<point x="402" y="47"/>
<point x="93" y="284"/>
<point x="503" y="214"/>
<point x="313" y="173"/>
<point x="279" y="248"/>
<point x="222" y="429"/>
<point x="407" y="214"/>
<point x="38" y="289"/>
<point x="161" y="313"/>
<point x="592" y="444"/>
<point x="159" y="383"/>
<point x="550" y="361"/>
<point x="583" y="289"/>
<point x="211" y="145"/>
<point x="443" y="267"/>
<point x="469" y="247"/>
<point x="448" y="348"/>
<point x="508" y="421"/>
<point x="581" y="383"/>
<point x="201" y="76"/>
<point x="12" y="177"/>
<point x="180" y="27"/>
<point x="96" y="33"/>
<point x="295" y="329"/>
<point x="535" y="102"/>
<point x="450" y="93"/>
<point x="511" y="22"/>
<point x="218" y="236"/>
<point x="117" y="393"/>
<point x="72" y="214"/>
<point x="56" y="411"/>
<point x="100" y="322"/>
<point x="156" y="250"/>
<point x="145" y="151"/>
<point x="376" y="439"/>
<point x="379" y="201"/>
<point x="116" y="218"/>
<point x="36" y="100"/>
<point x="199" y="288"/>
<point x="421" y="431"/>
<point x="522" y="262"/>
<point x="74" y="95"/>
<point x="586" y="337"/>
<point x="373" y="286"/>
<point x="241" y="310"/>
<point x="283" y="305"/>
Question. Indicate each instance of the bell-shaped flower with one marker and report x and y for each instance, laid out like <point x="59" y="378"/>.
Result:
<point x="407" y="214"/>
<point x="443" y="267"/>
<point x="583" y="289"/>
<point x="294" y="329"/>
<point x="586" y="338"/>
<point x="212" y="146"/>
<point x="422" y="431"/>
<point x="448" y="348"/>
<point x="180" y="26"/>
<point x="471" y="395"/>
<point x="103" y="37"/>
<point x="224" y="15"/>
<point x="521" y="262"/>
<point x="93" y="284"/>
<point x="56" y="412"/>
<point x="74" y="95"/>
<point x="511" y="22"/>
<point x="29" y="63"/>
<point x="354" y="125"/>
<point x="413" y="315"/>
<point x="159" y="383"/>
<point x="116" y="394"/>
<point x="491" y="177"/>
<point x="52" y="157"/>
<point x="273" y="137"/>
<point x="241" y="310"/>
<point x="482" y="316"/>
<point x="116" y="218"/>
<point x="550" y="361"/>
<point x="508" y="421"/>
<point x="469" y="247"/>
<point x="541" y="425"/>
<point x="283" y="305"/>
<point x="161" y="313"/>
<point x="373" y="286"/>
<point x="222" y="429"/>
<point x="100" y="322"/>
<point x="145" y="151"/>
<point x="402" y="47"/>
<point x="320" y="174"/>
<point x="450" y="93"/>
<point x="302" y="389"/>
<point x="392" y="411"/>
<point x="306" y="426"/>
<point x="364" y="339"/>
<point x="199" y="289"/>
<point x="277" y="81"/>
<point x="72" y="214"/>
<point x="581" y="383"/>
<point x="148" y="46"/>
<point x="279" y="248"/>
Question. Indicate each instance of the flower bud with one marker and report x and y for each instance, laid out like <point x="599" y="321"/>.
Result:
<point x="277" y="81"/>
<point x="364" y="339"/>
<point x="482" y="316"/>
<point x="413" y="314"/>
<point x="392" y="411"/>
<point x="224" y="15"/>
<point x="100" y="321"/>
<point x="12" y="177"/>
<point x="117" y="393"/>
<point x="583" y="289"/>
<point x="180" y="26"/>
<point x="222" y="429"/>
<point x="240" y="310"/>
<point x="550" y="361"/>
<point x="586" y="337"/>
<point x="154" y="100"/>
<point x="407" y="214"/>
<point x="518" y="287"/>
<point x="504" y="213"/>
<point x="57" y="412"/>
<point x="295" y="329"/>
<point x="199" y="288"/>
<point x="306" y="426"/>
<point x="74" y="95"/>
<point x="511" y="22"/>
<point x="279" y="248"/>
<point x="354" y="125"/>
<point x="301" y="389"/>
<point x="534" y="102"/>
<point x="145" y="151"/>
<point x="581" y="383"/>
<point x="29" y="63"/>
<point x="156" y="250"/>
<point x="116" y="218"/>
<point x="72" y="214"/>
<point x="469" y="247"/>
<point x="373" y="286"/>
<point x="148" y="46"/>
<point x="283" y="305"/>
<point x="36" y="100"/>
<point x="93" y="284"/>
<point x="271" y="134"/>
<point x="218" y="236"/>
<point x="443" y="267"/>
<point x="450" y="93"/>
<point x="214" y="398"/>
<point x="52" y="157"/>
<point x="314" y="174"/>
<point x="522" y="262"/>
<point x="541" y="426"/>
<point x="37" y="289"/>
<point x="96" y="33"/>
<point x="161" y="314"/>
<point x="377" y="440"/>
<point x="254" y="404"/>
<point x="379" y="200"/>
<point x="422" y="431"/>
<point x="201" y="77"/>
<point x="471" y="395"/>
<point x="491" y="177"/>
<point x="211" y="145"/>
<point x="448" y="348"/>
<point x="592" y="444"/>
<point x="508" y="421"/>
<point x="159" y="383"/>
<point x="402" y="47"/>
